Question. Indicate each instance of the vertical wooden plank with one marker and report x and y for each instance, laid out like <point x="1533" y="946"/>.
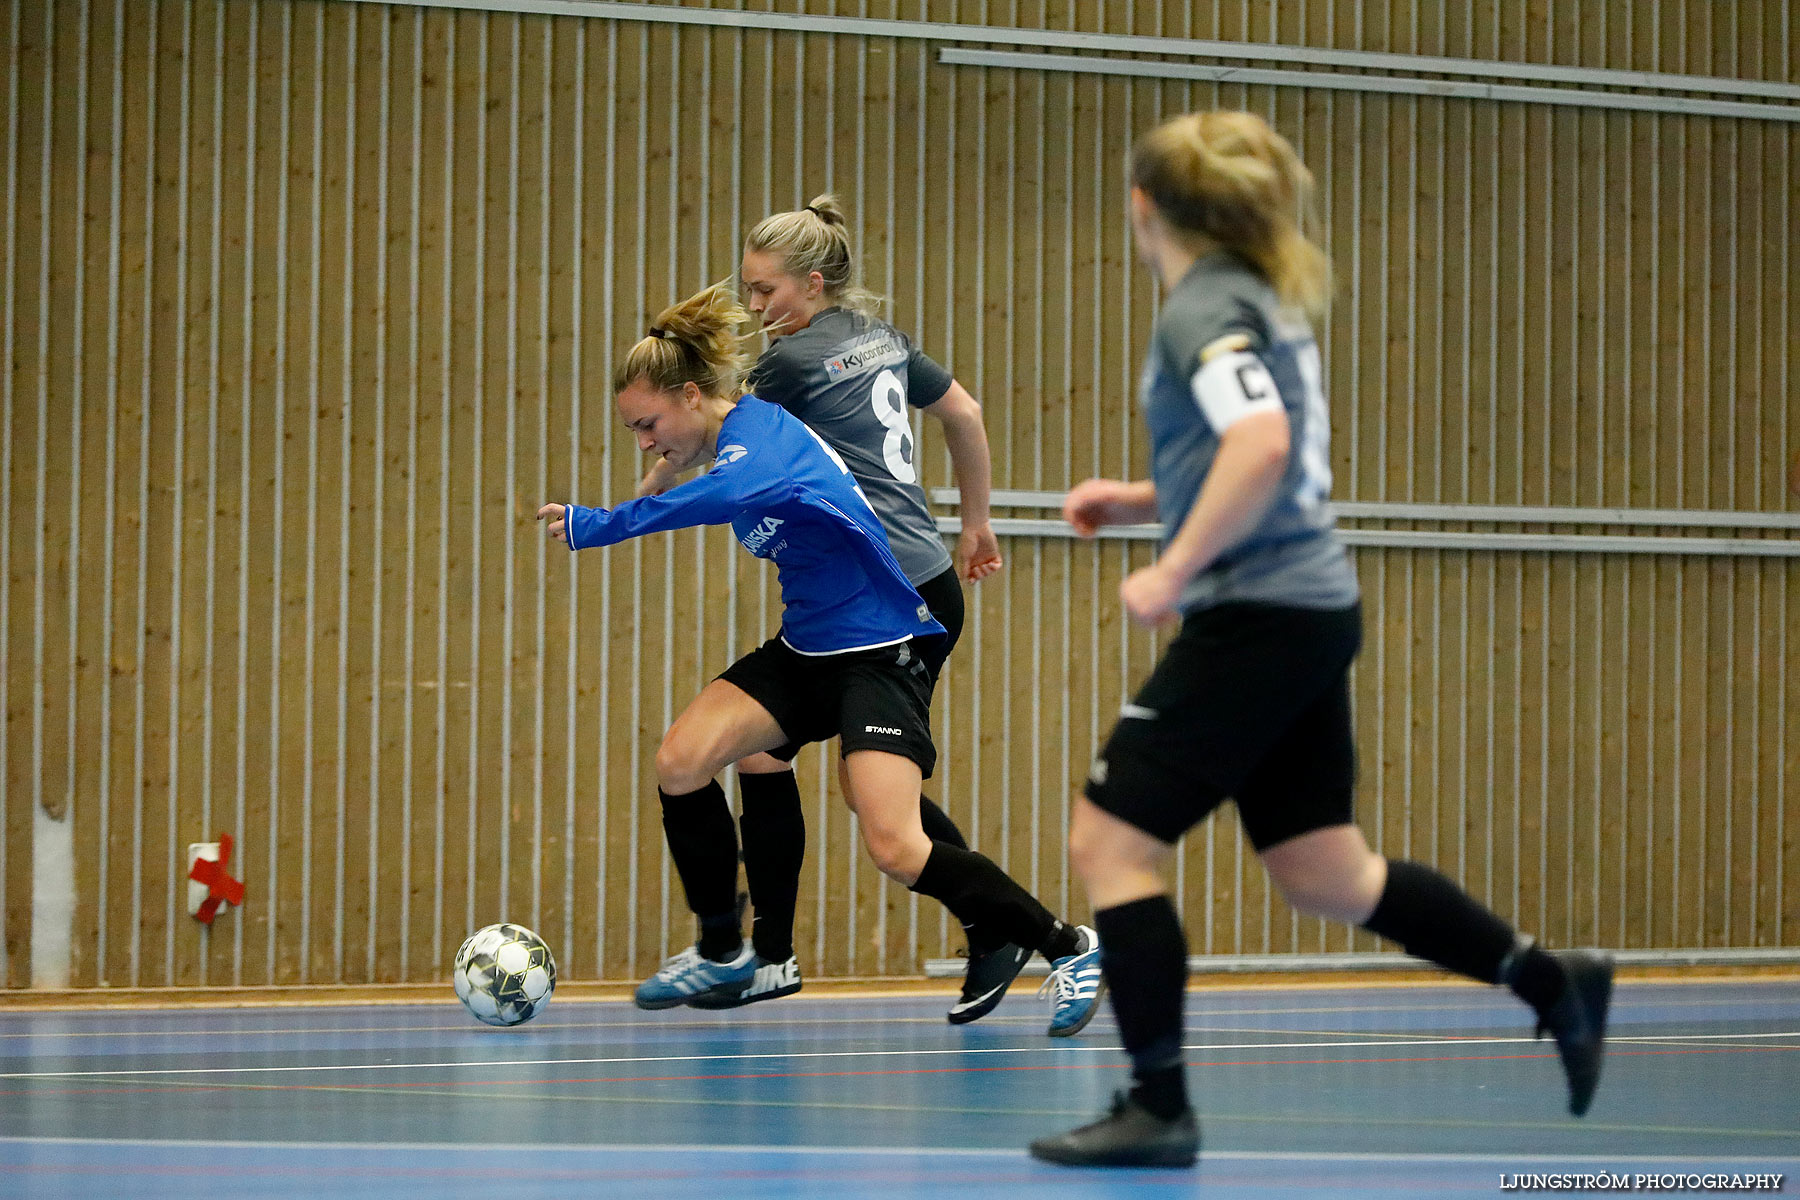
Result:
<point x="555" y="147"/>
<point x="664" y="922"/>
<point x="491" y="798"/>
<point x="1428" y="407"/>
<point x="358" y="50"/>
<point x="466" y="904"/>
<point x="153" y="427"/>
<point x="234" y="119"/>
<point x="29" y="246"/>
<point x="1481" y="215"/>
<point x="388" y="236"/>
<point x="59" y="466"/>
<point x="260" y="416"/>
<point x="295" y="449"/>
<point x="197" y="947"/>
<point x="89" y="676"/>
<point x="424" y="763"/>
<point x="591" y="337"/>
<point x="536" y="838"/>
<point x="641" y="883"/>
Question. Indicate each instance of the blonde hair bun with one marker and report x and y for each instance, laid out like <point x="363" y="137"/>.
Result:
<point x="816" y="238"/>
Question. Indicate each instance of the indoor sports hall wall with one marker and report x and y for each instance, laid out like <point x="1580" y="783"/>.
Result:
<point x="308" y="306"/>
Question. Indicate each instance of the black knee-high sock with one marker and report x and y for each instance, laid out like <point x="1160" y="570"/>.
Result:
<point x="1143" y="953"/>
<point x="990" y="904"/>
<point x="940" y="828"/>
<point x="1431" y="918"/>
<point x="938" y="825"/>
<point x="774" y="830"/>
<point x="703" y="842"/>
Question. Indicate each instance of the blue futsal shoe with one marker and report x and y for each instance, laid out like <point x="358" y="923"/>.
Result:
<point x="1075" y="986"/>
<point x="768" y="981"/>
<point x="688" y="974"/>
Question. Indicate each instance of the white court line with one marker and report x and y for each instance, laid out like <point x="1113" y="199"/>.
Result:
<point x="881" y="1151"/>
<point x="463" y="1064"/>
<point x="1001" y="1020"/>
<point x="1483" y="1004"/>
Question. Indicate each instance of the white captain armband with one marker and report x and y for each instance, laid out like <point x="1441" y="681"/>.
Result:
<point x="1232" y="383"/>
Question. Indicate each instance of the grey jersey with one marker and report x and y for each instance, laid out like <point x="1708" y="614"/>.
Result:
<point x="850" y="378"/>
<point x="1222" y="348"/>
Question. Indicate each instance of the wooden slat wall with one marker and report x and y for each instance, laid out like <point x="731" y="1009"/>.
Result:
<point x="308" y="305"/>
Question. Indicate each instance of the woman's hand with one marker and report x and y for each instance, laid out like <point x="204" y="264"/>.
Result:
<point x="1150" y="594"/>
<point x="1095" y="503"/>
<point x="977" y="553"/>
<point x="556" y="514"/>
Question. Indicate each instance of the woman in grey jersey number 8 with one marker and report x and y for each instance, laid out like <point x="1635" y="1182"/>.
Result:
<point x="849" y="376"/>
<point x="1250" y="700"/>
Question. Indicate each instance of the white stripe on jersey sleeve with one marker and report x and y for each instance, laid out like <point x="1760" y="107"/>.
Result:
<point x="1232" y="386"/>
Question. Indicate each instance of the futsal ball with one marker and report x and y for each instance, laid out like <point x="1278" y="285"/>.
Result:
<point x="504" y="974"/>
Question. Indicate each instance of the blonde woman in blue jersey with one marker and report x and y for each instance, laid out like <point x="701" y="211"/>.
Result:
<point x="1251" y="698"/>
<point x="849" y="662"/>
<point x="851" y="376"/>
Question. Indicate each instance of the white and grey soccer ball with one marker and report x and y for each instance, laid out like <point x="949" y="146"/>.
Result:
<point x="504" y="974"/>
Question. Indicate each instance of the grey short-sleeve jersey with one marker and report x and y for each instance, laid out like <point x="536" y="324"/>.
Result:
<point x="851" y="378"/>
<point x="1224" y="314"/>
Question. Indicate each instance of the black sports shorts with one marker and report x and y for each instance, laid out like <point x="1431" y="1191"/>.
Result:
<point x="1250" y="702"/>
<point x="942" y="594"/>
<point x="867" y="699"/>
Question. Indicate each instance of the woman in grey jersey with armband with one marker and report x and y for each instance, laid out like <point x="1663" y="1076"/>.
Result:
<point x="1251" y="699"/>
<point x="850" y="376"/>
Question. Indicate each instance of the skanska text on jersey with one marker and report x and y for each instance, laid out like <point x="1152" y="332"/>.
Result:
<point x="756" y="541"/>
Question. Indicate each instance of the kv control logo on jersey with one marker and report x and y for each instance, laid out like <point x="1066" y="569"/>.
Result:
<point x="882" y="351"/>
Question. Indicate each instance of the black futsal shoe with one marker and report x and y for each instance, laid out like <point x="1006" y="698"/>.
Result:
<point x="1578" y="1021"/>
<point x="1128" y="1136"/>
<point x="985" y="980"/>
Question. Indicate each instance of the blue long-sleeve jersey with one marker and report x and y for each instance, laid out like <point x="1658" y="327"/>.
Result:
<point x="789" y="498"/>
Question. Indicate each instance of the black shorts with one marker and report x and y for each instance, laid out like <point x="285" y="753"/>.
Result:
<point x="1250" y="702"/>
<point x="942" y="594"/>
<point x="867" y="699"/>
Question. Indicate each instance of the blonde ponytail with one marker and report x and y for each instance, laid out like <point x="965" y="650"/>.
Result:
<point x="698" y="341"/>
<point x="1229" y="177"/>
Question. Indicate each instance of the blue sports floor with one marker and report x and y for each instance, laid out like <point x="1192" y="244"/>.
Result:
<point x="1337" y="1091"/>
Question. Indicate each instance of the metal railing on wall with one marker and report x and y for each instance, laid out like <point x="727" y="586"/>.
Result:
<point x="1448" y="539"/>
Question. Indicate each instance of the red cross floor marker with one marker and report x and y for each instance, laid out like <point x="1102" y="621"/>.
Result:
<point x="221" y="888"/>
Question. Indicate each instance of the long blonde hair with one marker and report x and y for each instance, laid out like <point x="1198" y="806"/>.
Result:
<point x="816" y="238"/>
<point x="698" y="340"/>
<point x="1231" y="178"/>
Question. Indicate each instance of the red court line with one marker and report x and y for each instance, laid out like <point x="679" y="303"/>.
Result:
<point x="895" y="1071"/>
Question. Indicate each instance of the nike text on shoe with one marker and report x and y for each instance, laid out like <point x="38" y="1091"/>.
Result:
<point x="770" y="981"/>
<point x="687" y="974"/>
<point x="989" y="974"/>
<point x="1075" y="986"/>
<point x="1130" y="1135"/>
<point x="1578" y="1022"/>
